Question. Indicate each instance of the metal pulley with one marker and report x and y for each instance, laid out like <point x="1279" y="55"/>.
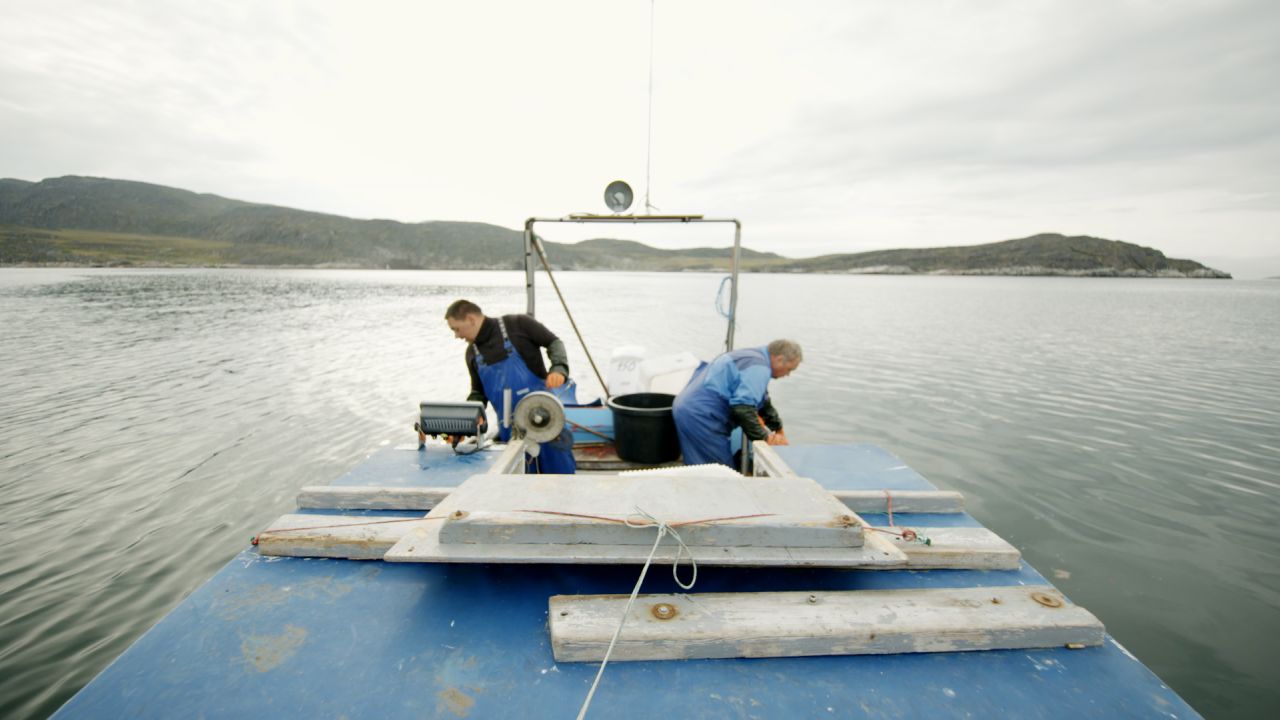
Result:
<point x="539" y="417"/>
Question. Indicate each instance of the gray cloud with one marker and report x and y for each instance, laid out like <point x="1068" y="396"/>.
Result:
<point x="156" y="93"/>
<point x="837" y="126"/>
<point x="1116" y="89"/>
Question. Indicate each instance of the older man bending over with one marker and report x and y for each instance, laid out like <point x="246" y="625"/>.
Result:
<point x="732" y="390"/>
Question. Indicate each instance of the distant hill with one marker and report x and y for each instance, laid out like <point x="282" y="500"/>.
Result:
<point x="1044" y="254"/>
<point x="82" y="220"/>
<point x="97" y="221"/>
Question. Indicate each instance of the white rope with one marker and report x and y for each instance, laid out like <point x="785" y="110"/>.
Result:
<point x="663" y="530"/>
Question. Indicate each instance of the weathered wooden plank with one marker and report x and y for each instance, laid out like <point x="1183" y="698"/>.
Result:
<point x="967" y="548"/>
<point x="357" y="538"/>
<point x="363" y="538"/>
<point x="714" y="509"/>
<point x="767" y="463"/>
<point x="422" y="544"/>
<point x="333" y="536"/>
<point x="771" y="530"/>
<point x="904" y="501"/>
<point x="350" y="497"/>
<point x="791" y="624"/>
<point x="510" y="462"/>
<point x="347" y="497"/>
<point x="672" y="499"/>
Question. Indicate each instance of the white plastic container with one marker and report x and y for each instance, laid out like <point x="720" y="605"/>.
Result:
<point x="623" y="373"/>
<point x="668" y="373"/>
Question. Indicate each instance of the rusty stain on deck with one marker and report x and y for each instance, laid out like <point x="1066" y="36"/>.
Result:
<point x="263" y="596"/>
<point x="265" y="652"/>
<point x="456" y="701"/>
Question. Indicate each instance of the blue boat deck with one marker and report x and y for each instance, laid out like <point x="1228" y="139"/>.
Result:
<point x="317" y="638"/>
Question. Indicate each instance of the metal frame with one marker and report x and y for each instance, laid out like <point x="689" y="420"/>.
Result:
<point x="529" y="239"/>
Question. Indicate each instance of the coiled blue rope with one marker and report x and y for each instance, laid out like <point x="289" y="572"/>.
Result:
<point x="720" y="306"/>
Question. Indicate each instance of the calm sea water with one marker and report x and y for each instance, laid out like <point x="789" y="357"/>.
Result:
<point x="1124" y="434"/>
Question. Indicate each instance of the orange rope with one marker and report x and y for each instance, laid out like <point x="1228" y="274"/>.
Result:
<point x="624" y="520"/>
<point x="907" y="534"/>
<point x="342" y="525"/>
<point x="544" y="512"/>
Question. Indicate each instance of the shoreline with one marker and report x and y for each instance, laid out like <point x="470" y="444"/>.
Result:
<point x="1021" y="271"/>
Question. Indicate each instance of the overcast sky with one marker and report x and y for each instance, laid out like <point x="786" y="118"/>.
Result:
<point x="824" y="126"/>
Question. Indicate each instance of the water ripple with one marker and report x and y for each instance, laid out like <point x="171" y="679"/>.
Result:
<point x="1121" y="431"/>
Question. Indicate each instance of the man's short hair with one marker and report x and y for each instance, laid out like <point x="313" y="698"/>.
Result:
<point x="462" y="308"/>
<point x="787" y="350"/>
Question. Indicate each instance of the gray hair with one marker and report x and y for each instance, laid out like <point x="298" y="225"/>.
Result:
<point x="787" y="350"/>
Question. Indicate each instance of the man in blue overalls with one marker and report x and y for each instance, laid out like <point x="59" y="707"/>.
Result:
<point x="732" y="390"/>
<point x="505" y="353"/>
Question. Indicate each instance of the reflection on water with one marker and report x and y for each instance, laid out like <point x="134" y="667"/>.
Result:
<point x="1123" y="433"/>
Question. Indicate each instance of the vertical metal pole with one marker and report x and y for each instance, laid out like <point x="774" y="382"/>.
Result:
<point x="528" y="265"/>
<point x="546" y="265"/>
<point x="733" y="285"/>
<point x="648" y="150"/>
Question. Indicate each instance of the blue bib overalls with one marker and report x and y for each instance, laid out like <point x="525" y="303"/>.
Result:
<point x="556" y="456"/>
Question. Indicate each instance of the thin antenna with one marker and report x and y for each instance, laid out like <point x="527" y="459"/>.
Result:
<point x="648" y="155"/>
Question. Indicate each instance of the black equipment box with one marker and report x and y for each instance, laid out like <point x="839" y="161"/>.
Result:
<point x="450" y="418"/>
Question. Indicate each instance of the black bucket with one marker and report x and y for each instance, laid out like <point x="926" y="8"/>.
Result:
<point x="644" y="431"/>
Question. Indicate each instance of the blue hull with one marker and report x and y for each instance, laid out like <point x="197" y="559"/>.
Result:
<point x="289" y="637"/>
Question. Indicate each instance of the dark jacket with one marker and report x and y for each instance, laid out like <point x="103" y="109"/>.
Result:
<point x="528" y="336"/>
